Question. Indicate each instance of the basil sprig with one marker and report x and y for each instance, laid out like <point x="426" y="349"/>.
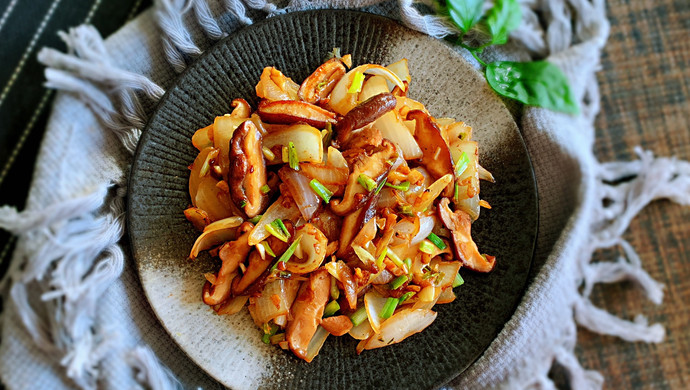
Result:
<point x="537" y="83"/>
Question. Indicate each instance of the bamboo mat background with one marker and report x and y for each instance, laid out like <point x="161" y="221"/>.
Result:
<point x="645" y="92"/>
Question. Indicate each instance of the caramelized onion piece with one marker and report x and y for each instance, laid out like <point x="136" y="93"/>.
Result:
<point x="247" y="170"/>
<point x="313" y="244"/>
<point x="307" y="311"/>
<point x="274" y="85"/>
<point x="459" y="223"/>
<point x="366" y="112"/>
<point x="290" y="112"/>
<point x="242" y="109"/>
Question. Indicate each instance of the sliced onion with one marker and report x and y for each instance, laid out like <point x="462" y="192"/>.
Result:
<point x="275" y="300"/>
<point x="469" y="179"/>
<point x="325" y="174"/>
<point x="312" y="245"/>
<point x="298" y="185"/>
<point x="427" y="298"/>
<point x="484" y="174"/>
<point x="375" y="85"/>
<point x="400" y="326"/>
<point x="213" y="199"/>
<point x="215" y="234"/>
<point x="342" y="101"/>
<point x="336" y="159"/>
<point x="201" y="139"/>
<point x="231" y="306"/>
<point x="362" y="331"/>
<point x="447" y="296"/>
<point x="194" y="174"/>
<point x="449" y="270"/>
<point x="316" y="343"/>
<point x="223" y="128"/>
<point x="426" y="225"/>
<point x="307" y="141"/>
<point x="374" y="303"/>
<point x="387" y="198"/>
<point x="392" y="128"/>
<point x="429" y="196"/>
<point x="275" y="211"/>
<point x="401" y="70"/>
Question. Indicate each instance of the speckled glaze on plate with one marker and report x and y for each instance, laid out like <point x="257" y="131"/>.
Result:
<point x="229" y="348"/>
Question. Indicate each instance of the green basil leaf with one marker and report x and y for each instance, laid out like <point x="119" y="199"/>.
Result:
<point x="538" y="83"/>
<point x="465" y="13"/>
<point x="504" y="17"/>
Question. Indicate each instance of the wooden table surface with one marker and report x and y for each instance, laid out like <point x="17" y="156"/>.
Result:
<point x="645" y="92"/>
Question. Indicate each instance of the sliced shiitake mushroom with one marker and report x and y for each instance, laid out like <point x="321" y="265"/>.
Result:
<point x="307" y="311"/>
<point x="366" y="112"/>
<point x="247" y="173"/>
<point x="291" y="112"/>
<point x="232" y="253"/>
<point x="436" y="156"/>
<point x="320" y="83"/>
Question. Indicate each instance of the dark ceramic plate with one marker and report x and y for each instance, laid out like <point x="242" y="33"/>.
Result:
<point x="229" y="347"/>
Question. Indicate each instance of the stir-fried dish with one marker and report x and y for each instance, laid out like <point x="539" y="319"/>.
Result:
<point x="338" y="206"/>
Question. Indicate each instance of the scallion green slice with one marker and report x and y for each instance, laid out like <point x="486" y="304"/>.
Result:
<point x="268" y="248"/>
<point x="358" y="316"/>
<point x="404" y="186"/>
<point x="426" y="247"/>
<point x="357" y="82"/>
<point x="462" y="164"/>
<point x="287" y="254"/>
<point x="389" y="307"/>
<point x="406" y="296"/>
<point x="335" y="292"/>
<point x="397" y="282"/>
<point x="256" y="219"/>
<point x="270" y="156"/>
<point x="456" y="194"/>
<point x="265" y="189"/>
<point x="320" y="190"/>
<point x="293" y="160"/>
<point x="459" y="281"/>
<point x="368" y="183"/>
<point x="379" y="260"/>
<point x="275" y="229"/>
<point x="396" y="260"/>
<point x="243" y="203"/>
<point x="408" y="264"/>
<point x="331" y="308"/>
<point x="380" y="187"/>
<point x="279" y="224"/>
<point x="437" y="241"/>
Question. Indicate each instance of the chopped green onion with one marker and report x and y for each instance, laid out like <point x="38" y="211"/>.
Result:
<point x="321" y="190"/>
<point x="357" y="82"/>
<point x="437" y="241"/>
<point x="268" y="153"/>
<point x="363" y="254"/>
<point x="462" y="164"/>
<point x="456" y="195"/>
<point x="426" y="247"/>
<point x="396" y="260"/>
<point x="408" y="264"/>
<point x="266" y="338"/>
<point x="389" y="307"/>
<point x="406" y="296"/>
<point x="368" y="183"/>
<point x="406" y="209"/>
<point x="320" y="85"/>
<point x="268" y="248"/>
<point x="459" y="281"/>
<point x="359" y="316"/>
<point x="287" y="254"/>
<point x="265" y="189"/>
<point x="378" y="189"/>
<point x="397" y="282"/>
<point x="243" y="203"/>
<point x="335" y="292"/>
<point x="269" y="330"/>
<point x="404" y="186"/>
<point x="382" y="255"/>
<point x="256" y="219"/>
<point x="278" y="229"/>
<point x="331" y="308"/>
<point x="293" y="160"/>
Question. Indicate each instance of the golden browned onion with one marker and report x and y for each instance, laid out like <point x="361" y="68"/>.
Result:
<point x="242" y="109"/>
<point x="307" y="311"/>
<point x="291" y="111"/>
<point x="313" y="244"/>
<point x="274" y="85"/>
<point x="459" y="223"/>
<point x="247" y="172"/>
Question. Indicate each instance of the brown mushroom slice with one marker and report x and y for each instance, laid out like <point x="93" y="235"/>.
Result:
<point x="247" y="170"/>
<point x="231" y="306"/>
<point x="307" y="311"/>
<point x="242" y="109"/>
<point x="376" y="166"/>
<point x="364" y="113"/>
<point x="291" y="112"/>
<point x="312" y="248"/>
<point x="320" y="83"/>
<point x="342" y="273"/>
<point x="353" y="223"/>
<point x="255" y="268"/>
<point x="366" y="137"/>
<point x="459" y="223"/>
<point x="274" y="85"/>
<point x="337" y="325"/>
<point x="232" y="253"/>
<point x="436" y="156"/>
